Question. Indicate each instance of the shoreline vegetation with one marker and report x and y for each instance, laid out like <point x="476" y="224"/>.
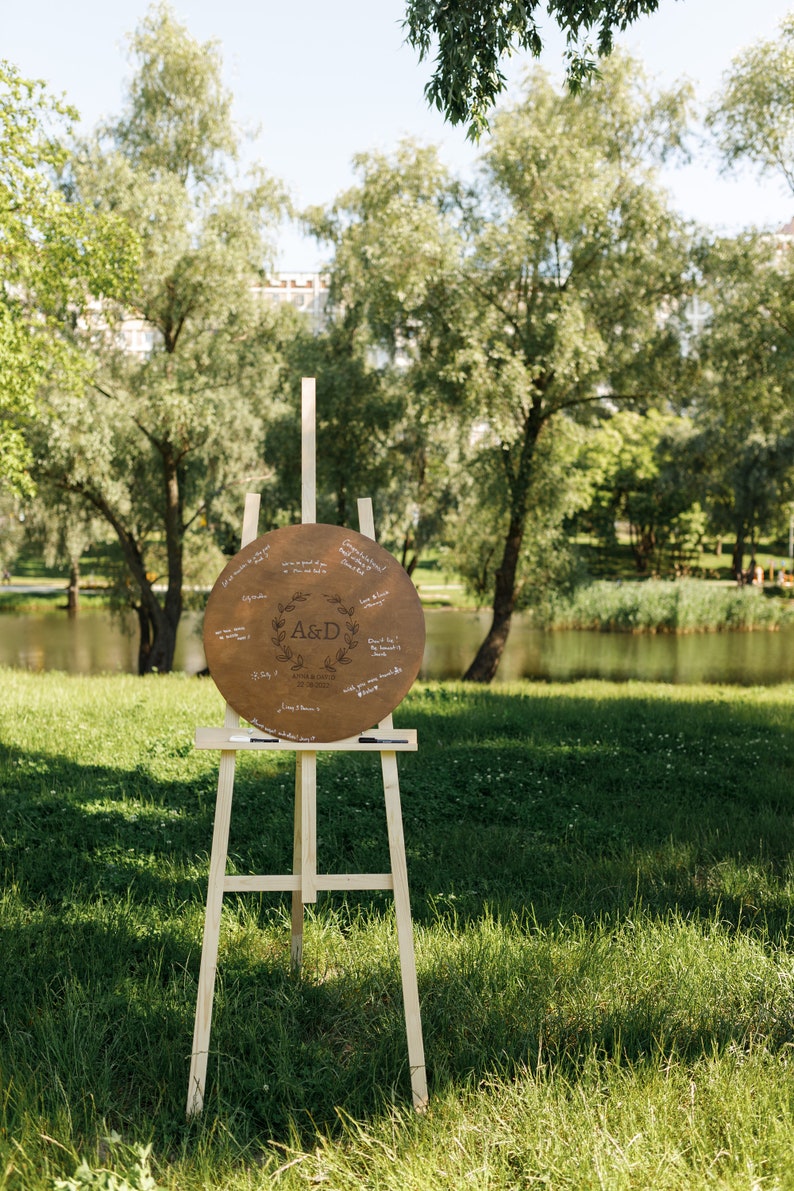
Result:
<point x="603" y="918"/>
<point x="55" y="600"/>
<point x="671" y="606"/>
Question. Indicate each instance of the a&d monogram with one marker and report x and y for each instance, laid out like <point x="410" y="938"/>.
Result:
<point x="295" y="638"/>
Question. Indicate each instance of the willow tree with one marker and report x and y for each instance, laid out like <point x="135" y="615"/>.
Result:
<point x="396" y="241"/>
<point x="576" y="270"/>
<point x="752" y="117"/>
<point x="172" y="421"/>
<point x="548" y="291"/>
<point x="53" y="257"/>
<point x="747" y="351"/>
<point x="742" y="401"/>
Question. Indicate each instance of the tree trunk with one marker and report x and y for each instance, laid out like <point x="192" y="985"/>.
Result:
<point x="157" y="643"/>
<point x="174" y="532"/>
<point x="643" y="544"/>
<point x="73" y="591"/>
<point x="489" y="655"/>
<point x="159" y="623"/>
<point x="409" y="544"/>
<point x="406" y="548"/>
<point x="737" y="561"/>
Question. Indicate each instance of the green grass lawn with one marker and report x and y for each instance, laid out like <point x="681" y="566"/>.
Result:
<point x="602" y="886"/>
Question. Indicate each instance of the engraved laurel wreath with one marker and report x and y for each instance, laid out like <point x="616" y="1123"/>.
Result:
<point x="285" y="652"/>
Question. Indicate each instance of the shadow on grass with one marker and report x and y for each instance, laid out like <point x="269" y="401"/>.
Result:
<point x="570" y="859"/>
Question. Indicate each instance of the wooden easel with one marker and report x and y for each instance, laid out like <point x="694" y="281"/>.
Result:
<point x="305" y="881"/>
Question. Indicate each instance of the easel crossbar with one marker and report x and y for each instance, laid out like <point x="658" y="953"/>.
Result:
<point x="293" y="881"/>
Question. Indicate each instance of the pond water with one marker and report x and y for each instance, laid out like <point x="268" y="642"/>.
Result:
<point x="95" y="642"/>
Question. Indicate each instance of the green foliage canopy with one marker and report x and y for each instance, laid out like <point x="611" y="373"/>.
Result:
<point x="55" y="258"/>
<point x="650" y="479"/>
<point x="533" y="297"/>
<point x="752" y="118"/>
<point x="396" y="242"/>
<point x="742" y="397"/>
<point x="572" y="262"/>
<point x="169" y="429"/>
<point x="747" y="352"/>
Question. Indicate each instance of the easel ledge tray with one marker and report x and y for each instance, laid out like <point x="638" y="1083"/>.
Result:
<point x="392" y="740"/>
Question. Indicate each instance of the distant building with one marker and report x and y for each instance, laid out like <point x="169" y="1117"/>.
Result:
<point x="698" y="312"/>
<point x="137" y="337"/>
<point x="307" y="292"/>
<point x="784" y="239"/>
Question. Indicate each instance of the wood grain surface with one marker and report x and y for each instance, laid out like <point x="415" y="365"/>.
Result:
<point x="314" y="633"/>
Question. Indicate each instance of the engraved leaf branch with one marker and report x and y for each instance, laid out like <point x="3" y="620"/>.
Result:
<point x="280" y="638"/>
<point x="352" y="626"/>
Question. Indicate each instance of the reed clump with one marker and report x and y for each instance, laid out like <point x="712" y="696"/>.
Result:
<point x="668" y="606"/>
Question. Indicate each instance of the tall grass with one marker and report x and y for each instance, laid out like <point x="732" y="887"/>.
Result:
<point x="602" y="885"/>
<point x="683" y="606"/>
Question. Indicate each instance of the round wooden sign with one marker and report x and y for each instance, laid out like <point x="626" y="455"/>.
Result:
<point x="313" y="632"/>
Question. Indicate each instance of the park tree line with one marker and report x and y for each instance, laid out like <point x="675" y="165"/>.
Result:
<point x="507" y="360"/>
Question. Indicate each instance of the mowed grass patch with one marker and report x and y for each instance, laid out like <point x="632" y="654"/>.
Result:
<point x="601" y="882"/>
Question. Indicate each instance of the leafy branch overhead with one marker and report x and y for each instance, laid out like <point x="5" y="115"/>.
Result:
<point x="473" y="36"/>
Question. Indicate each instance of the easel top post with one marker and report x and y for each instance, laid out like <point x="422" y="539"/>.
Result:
<point x="308" y="451"/>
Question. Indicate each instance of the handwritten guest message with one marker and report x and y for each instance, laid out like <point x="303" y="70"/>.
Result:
<point x="376" y="600"/>
<point x="314" y="633"/>
<point x="381" y="647"/>
<point x="297" y="566"/>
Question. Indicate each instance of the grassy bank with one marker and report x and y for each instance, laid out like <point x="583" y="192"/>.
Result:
<point x="602" y="887"/>
<point x="662" y="606"/>
<point x="55" y="600"/>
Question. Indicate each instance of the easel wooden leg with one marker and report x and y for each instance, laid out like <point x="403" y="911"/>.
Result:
<point x="405" y="935"/>
<point x="296" y="950"/>
<point x="309" y="827"/>
<point x="304" y="847"/>
<point x="402" y="902"/>
<point x="220" y="846"/>
<point x="212" y="928"/>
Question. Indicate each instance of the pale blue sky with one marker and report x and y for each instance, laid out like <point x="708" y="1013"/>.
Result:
<point x="325" y="80"/>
